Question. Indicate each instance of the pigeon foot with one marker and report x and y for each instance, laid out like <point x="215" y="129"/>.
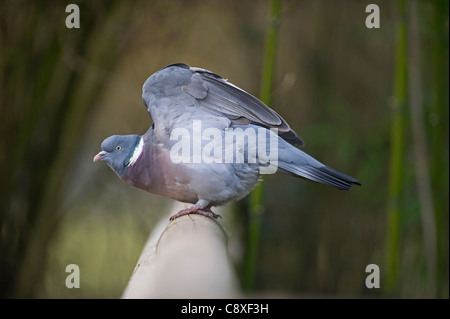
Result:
<point x="196" y="209"/>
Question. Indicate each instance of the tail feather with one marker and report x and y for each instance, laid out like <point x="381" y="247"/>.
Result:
<point x="336" y="178"/>
<point x="324" y="174"/>
<point x="294" y="161"/>
<point x="339" y="175"/>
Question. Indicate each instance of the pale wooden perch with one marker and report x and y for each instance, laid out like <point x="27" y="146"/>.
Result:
<point x="185" y="258"/>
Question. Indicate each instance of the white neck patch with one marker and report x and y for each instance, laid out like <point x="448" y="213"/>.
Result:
<point x="137" y="152"/>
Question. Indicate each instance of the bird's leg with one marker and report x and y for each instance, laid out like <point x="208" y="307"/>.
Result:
<point x="208" y="212"/>
<point x="196" y="209"/>
<point x="183" y="212"/>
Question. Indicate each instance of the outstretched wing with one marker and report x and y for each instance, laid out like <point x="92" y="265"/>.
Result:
<point x="173" y="90"/>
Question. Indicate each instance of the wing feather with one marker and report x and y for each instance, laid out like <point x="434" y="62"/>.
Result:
<point x="226" y="99"/>
<point x="194" y="87"/>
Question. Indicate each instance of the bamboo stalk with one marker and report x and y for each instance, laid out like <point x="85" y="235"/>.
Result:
<point x="186" y="258"/>
<point x="420" y="148"/>
<point x="256" y="205"/>
<point x="397" y="152"/>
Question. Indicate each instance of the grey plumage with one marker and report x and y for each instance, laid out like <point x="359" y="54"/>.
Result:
<point x="178" y="98"/>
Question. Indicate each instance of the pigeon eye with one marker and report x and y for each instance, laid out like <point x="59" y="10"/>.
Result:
<point x="118" y="148"/>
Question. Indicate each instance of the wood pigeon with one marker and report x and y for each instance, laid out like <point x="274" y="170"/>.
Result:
<point x="209" y="143"/>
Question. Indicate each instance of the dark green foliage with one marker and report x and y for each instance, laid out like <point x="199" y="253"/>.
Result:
<point x="47" y="92"/>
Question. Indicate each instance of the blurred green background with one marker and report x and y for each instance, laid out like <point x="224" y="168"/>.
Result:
<point x="344" y="88"/>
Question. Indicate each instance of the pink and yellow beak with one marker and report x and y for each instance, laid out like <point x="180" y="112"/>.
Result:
<point x="100" y="156"/>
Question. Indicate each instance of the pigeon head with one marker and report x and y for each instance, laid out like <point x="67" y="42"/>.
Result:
<point x="120" y="152"/>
